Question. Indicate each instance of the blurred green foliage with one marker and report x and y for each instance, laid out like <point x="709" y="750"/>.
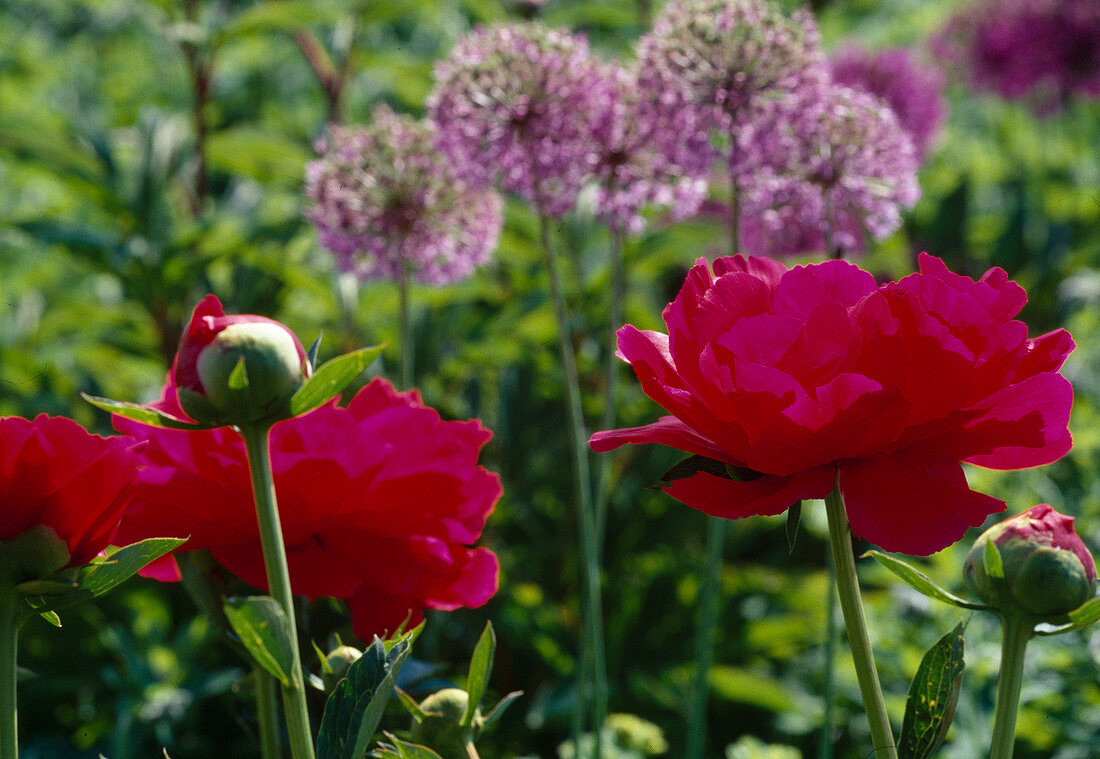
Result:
<point x="115" y="217"/>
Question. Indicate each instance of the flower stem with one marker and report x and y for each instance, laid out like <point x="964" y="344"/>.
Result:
<point x="592" y="639"/>
<point x="1016" y="632"/>
<point x="9" y="654"/>
<point x="267" y="714"/>
<point x="707" y="627"/>
<point x="828" y="688"/>
<point x="735" y="214"/>
<point x="405" y="332"/>
<point x="278" y="582"/>
<point x="618" y="296"/>
<point x="847" y="585"/>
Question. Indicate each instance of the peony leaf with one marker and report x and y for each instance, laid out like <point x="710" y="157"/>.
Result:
<point x="794" y="515"/>
<point x="1083" y="616"/>
<point x="690" y="467"/>
<point x="410" y="704"/>
<point x="399" y="749"/>
<point x="51" y="617"/>
<point x="921" y="582"/>
<point x="991" y="561"/>
<point x="264" y="630"/>
<point x="498" y="710"/>
<point x="331" y="378"/>
<point x="355" y="707"/>
<point x="481" y="665"/>
<point x="145" y="414"/>
<point x="932" y="697"/>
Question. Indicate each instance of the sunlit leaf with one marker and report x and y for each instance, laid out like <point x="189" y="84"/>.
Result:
<point x="144" y="414"/>
<point x="920" y="582"/>
<point x="481" y="665"/>
<point x="264" y="630"/>
<point x="933" y="697"/>
<point x="331" y="378"/>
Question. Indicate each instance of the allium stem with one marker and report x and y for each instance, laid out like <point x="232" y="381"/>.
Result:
<point x="1016" y="632"/>
<point x="406" y="347"/>
<point x="278" y="582"/>
<point x="618" y="297"/>
<point x="267" y="714"/>
<point x="735" y="214"/>
<point x="847" y="585"/>
<point x="705" y="632"/>
<point x="9" y="654"/>
<point x="592" y="644"/>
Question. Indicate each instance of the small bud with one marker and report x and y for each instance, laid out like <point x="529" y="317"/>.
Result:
<point x="33" y="554"/>
<point x="1039" y="567"/>
<point x="441" y="729"/>
<point x="337" y="662"/>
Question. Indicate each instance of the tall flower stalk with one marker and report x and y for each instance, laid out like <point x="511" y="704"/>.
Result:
<point x="9" y="652"/>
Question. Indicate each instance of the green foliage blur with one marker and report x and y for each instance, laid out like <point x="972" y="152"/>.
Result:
<point x="122" y="203"/>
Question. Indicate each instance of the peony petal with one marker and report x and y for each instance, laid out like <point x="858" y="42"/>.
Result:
<point x="766" y="495"/>
<point x="804" y="288"/>
<point x="164" y="569"/>
<point x="668" y="430"/>
<point x="1024" y="425"/>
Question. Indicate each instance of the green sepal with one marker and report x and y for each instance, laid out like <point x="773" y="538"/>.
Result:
<point x="331" y="378"/>
<point x="51" y="617"/>
<point x="921" y="582"/>
<point x="991" y="561"/>
<point x="399" y="749"/>
<point x="145" y="414"/>
<point x="311" y="354"/>
<point x="410" y="704"/>
<point x="238" y="378"/>
<point x="498" y="710"/>
<point x="264" y="630"/>
<point x="481" y="665"/>
<point x="1085" y="615"/>
<point x="933" y="697"/>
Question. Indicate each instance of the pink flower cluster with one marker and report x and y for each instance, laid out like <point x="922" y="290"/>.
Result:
<point x="389" y="205"/>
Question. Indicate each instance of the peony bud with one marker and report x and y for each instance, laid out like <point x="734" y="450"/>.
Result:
<point x="336" y="666"/>
<point x="237" y="369"/>
<point x="1045" y="569"/>
<point x="441" y="729"/>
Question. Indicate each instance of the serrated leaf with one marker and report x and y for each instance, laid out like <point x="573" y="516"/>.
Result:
<point x="1083" y="616"/>
<point x="500" y="708"/>
<point x="238" y="378"/>
<point x="355" y="707"/>
<point x="481" y="666"/>
<point x="144" y="414"/>
<point x="932" y="697"/>
<point x="794" y="515"/>
<point x="991" y="561"/>
<point x="264" y="630"/>
<point x="921" y="582"/>
<point x="330" y="378"/>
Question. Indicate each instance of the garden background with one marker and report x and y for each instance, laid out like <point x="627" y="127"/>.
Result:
<point x="115" y="219"/>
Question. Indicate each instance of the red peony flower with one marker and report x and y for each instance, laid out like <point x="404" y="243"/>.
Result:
<point x="378" y="503"/>
<point x="803" y="374"/>
<point x="55" y="474"/>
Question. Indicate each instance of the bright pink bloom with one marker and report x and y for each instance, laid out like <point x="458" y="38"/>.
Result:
<point x="55" y="474"/>
<point x="1042" y="526"/>
<point x="803" y="374"/>
<point x="379" y="502"/>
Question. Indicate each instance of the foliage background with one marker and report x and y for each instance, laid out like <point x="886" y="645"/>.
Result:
<point x="107" y="239"/>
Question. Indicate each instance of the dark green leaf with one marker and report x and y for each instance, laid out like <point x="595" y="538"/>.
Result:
<point x="355" y="707"/>
<point x="1083" y="616"/>
<point x="481" y="666"/>
<point x="794" y="515"/>
<point x="991" y="561"/>
<point x="691" y="466"/>
<point x="932" y="697"/>
<point x="330" y="378"/>
<point x="399" y="749"/>
<point x="499" y="709"/>
<point x="311" y="354"/>
<point x="144" y="414"/>
<point x="264" y="630"/>
<point x="920" y="581"/>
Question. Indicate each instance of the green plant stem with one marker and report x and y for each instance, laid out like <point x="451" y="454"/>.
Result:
<point x="9" y="655"/>
<point x="592" y="643"/>
<point x="267" y="714"/>
<point x="828" y="688"/>
<point x="406" y="348"/>
<point x="735" y="216"/>
<point x="705" y="632"/>
<point x="278" y="582"/>
<point x="471" y="750"/>
<point x="618" y="297"/>
<point x="1016" y="632"/>
<point x="847" y="586"/>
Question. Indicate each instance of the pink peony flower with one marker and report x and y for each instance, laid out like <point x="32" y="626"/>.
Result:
<point x="379" y="502"/>
<point x="807" y="374"/>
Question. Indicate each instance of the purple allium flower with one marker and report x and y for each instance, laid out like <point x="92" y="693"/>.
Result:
<point x="710" y="63"/>
<point x="636" y="161"/>
<point x="824" y="162"/>
<point x="388" y="204"/>
<point x="1047" y="51"/>
<point x="515" y="104"/>
<point x="914" y="91"/>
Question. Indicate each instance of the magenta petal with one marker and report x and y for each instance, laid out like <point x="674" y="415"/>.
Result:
<point x="1026" y="424"/>
<point x="766" y="495"/>
<point x="908" y="504"/>
<point x="164" y="569"/>
<point x="668" y="430"/>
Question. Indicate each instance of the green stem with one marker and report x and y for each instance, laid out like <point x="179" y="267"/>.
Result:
<point x="9" y="654"/>
<point x="735" y="216"/>
<point x="278" y="582"/>
<point x="828" y="688"/>
<point x="847" y="586"/>
<point x="592" y="640"/>
<point x="618" y="296"/>
<point x="405" y="331"/>
<point x="267" y="714"/>
<point x="705" y="632"/>
<point x="1016" y="632"/>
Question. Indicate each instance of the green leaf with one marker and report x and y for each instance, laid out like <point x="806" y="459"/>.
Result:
<point x="238" y="378"/>
<point x="1083" y="616"/>
<point x="311" y="354"/>
<point x="933" y="697"/>
<point x="279" y="16"/>
<point x="481" y="666"/>
<point x="794" y="515"/>
<point x="410" y="704"/>
<point x="144" y="414"/>
<point x="51" y="617"/>
<point x="991" y="561"/>
<point x="355" y="707"/>
<point x="399" y="749"/>
<point x="921" y="582"/>
<point x="330" y="378"/>
<point x="264" y="630"/>
<point x="691" y="466"/>
<point x="500" y="708"/>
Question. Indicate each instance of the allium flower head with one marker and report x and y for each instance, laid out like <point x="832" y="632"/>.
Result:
<point x="793" y="381"/>
<point x="1047" y="51"/>
<point x="515" y="105"/>
<point x="379" y="503"/>
<point x="636" y="161"/>
<point x="711" y="62"/>
<point x="913" y="91"/>
<point x="386" y="202"/>
<point x="825" y="161"/>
